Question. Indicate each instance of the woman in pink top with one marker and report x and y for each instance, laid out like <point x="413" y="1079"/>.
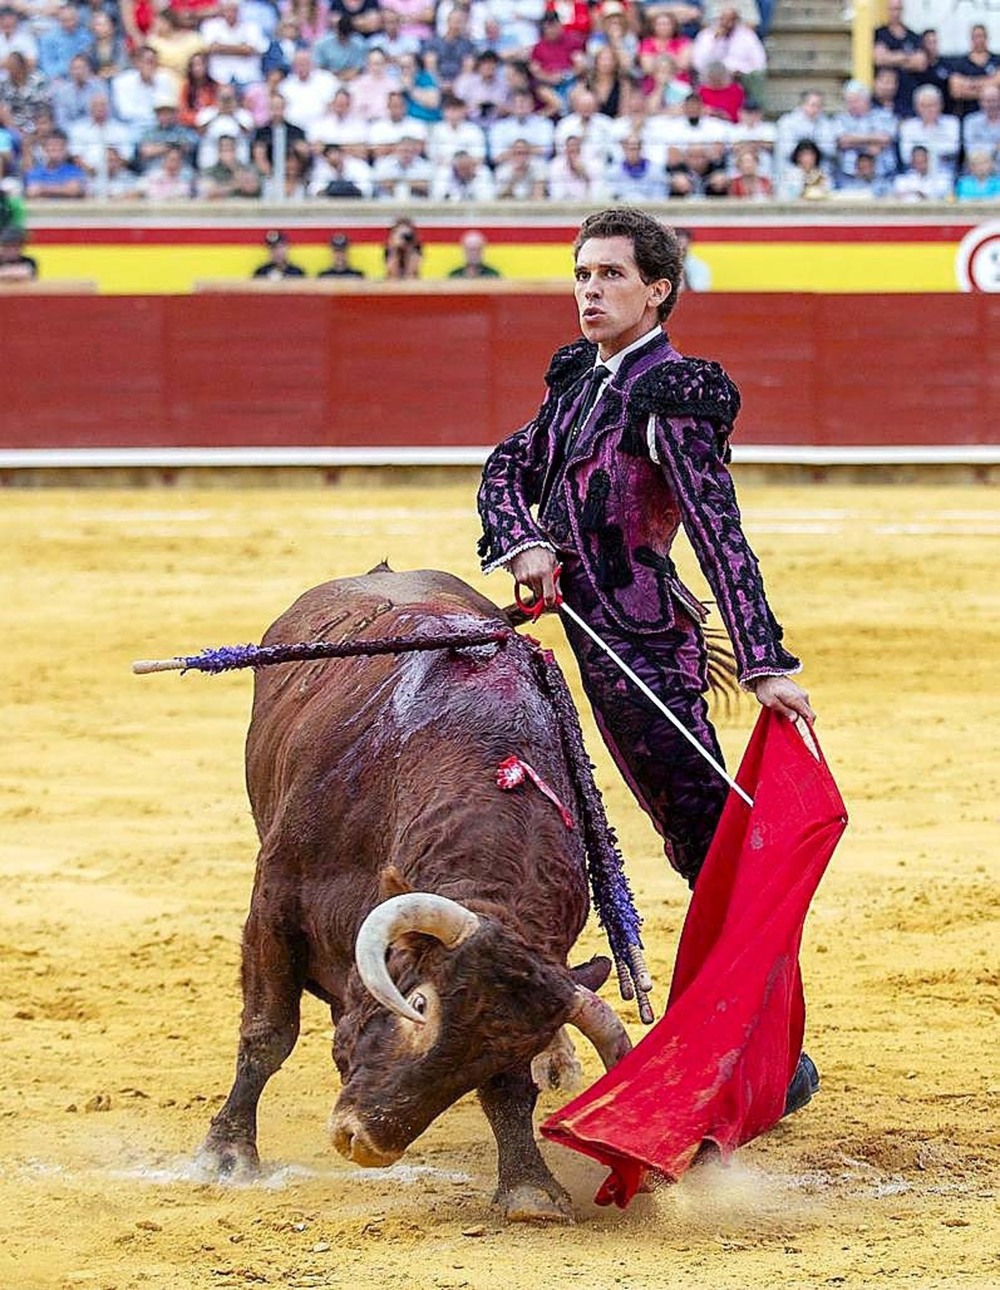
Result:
<point x="370" y="90"/>
<point x="313" y="17"/>
<point x="257" y="98"/>
<point x="663" y="37"/>
<point x="417" y="17"/>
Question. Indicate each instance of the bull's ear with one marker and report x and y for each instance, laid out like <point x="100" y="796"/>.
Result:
<point x="593" y="973"/>
<point x="392" y="883"/>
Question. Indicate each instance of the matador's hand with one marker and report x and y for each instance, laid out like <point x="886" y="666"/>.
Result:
<point x="536" y="568"/>
<point x="784" y="696"/>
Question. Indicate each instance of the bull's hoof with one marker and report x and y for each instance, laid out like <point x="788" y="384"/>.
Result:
<point x="235" y="1162"/>
<point x="531" y="1203"/>
<point x="558" y="1067"/>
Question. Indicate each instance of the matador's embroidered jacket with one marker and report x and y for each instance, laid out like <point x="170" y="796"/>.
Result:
<point x="651" y="456"/>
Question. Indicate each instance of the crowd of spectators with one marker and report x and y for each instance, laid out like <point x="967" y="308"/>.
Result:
<point x="470" y="101"/>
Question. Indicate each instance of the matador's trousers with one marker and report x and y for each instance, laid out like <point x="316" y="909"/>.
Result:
<point x="673" y="784"/>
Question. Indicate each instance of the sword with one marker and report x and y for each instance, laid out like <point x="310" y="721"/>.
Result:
<point x="534" y="611"/>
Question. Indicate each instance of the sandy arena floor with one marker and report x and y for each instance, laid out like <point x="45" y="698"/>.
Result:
<point x="126" y="859"/>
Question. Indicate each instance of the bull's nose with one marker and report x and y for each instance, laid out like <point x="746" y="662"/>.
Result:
<point x="351" y="1139"/>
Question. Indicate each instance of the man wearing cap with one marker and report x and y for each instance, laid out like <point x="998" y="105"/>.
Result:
<point x="15" y="266"/>
<point x="339" y="246"/>
<point x="277" y="265"/>
<point x="166" y="132"/>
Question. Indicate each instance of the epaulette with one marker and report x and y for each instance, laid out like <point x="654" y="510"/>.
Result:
<point x="689" y="387"/>
<point x="569" y="363"/>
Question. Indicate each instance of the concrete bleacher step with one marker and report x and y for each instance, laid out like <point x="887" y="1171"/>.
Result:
<point x="809" y="47"/>
<point x="810" y="15"/>
<point x="797" y="60"/>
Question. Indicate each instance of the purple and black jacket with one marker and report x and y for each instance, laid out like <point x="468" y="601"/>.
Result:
<point x="651" y="456"/>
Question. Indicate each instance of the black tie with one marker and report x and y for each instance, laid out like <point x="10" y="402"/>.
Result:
<point x="595" y="381"/>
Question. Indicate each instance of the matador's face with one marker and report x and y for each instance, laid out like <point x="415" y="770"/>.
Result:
<point x="616" y="306"/>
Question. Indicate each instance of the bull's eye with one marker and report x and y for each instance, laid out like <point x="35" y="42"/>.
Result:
<point x="418" y="1002"/>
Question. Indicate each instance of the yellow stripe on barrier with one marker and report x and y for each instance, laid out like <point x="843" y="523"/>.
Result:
<point x="830" y="267"/>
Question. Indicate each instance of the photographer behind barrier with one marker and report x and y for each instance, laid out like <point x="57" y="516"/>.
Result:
<point x="403" y="252"/>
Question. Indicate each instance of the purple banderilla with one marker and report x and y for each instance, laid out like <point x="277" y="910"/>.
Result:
<point x="229" y="657"/>
<point x="613" y="899"/>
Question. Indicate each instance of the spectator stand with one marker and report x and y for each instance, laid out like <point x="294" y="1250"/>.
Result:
<point x="264" y="84"/>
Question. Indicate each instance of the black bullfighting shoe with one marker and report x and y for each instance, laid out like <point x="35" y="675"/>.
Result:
<point x="805" y="1083"/>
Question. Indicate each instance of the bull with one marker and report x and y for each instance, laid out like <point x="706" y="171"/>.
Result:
<point x="431" y="912"/>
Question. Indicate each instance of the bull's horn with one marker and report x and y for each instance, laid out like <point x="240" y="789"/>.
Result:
<point x="599" y="1023"/>
<point x="416" y="911"/>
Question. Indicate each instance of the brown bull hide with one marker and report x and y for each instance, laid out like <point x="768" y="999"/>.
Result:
<point x="372" y="776"/>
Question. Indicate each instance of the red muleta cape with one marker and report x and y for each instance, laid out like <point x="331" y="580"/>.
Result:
<point x="717" y="1066"/>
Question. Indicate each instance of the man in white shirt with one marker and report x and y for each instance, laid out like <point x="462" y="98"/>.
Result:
<point x="307" y="90"/>
<point x="508" y="26"/>
<point x="135" y="91"/>
<point x="383" y="135"/>
<point x="595" y="131"/>
<point x="456" y="133"/>
<point x="918" y="183"/>
<point x="938" y="133"/>
<point x="335" y="169"/>
<point x="98" y="131"/>
<point x="522" y="123"/>
<point x="695" y="128"/>
<point x="226" y="119"/>
<point x="731" y="41"/>
<point x="340" y="125"/>
<point x="234" y="47"/>
<point x="464" y="179"/>
<point x="16" y="37"/>
<point x="403" y="174"/>
<point x="858" y="130"/>
<point x="981" y="130"/>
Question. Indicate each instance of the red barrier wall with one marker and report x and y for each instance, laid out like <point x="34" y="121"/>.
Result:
<point x="431" y="369"/>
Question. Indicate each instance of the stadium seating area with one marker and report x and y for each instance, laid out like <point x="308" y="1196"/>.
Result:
<point x="470" y="101"/>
